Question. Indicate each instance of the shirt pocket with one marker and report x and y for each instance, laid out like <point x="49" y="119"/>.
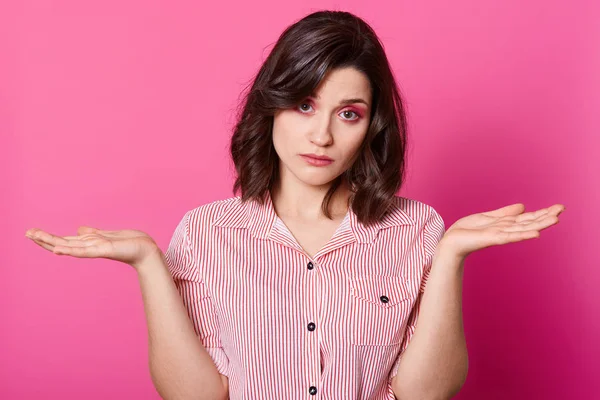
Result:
<point x="379" y="309"/>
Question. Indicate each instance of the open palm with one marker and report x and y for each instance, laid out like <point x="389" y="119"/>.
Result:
<point x="128" y="246"/>
<point x="505" y="225"/>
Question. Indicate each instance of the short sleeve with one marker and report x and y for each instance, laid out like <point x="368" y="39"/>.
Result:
<point x="186" y="275"/>
<point x="432" y="232"/>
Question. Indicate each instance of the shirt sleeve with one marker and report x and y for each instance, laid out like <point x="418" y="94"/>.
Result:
<point x="195" y="296"/>
<point x="433" y="230"/>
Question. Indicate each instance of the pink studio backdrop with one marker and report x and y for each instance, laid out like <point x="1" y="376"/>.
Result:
<point x="117" y="114"/>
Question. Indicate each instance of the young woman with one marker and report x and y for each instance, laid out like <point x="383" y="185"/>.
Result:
<point x="310" y="283"/>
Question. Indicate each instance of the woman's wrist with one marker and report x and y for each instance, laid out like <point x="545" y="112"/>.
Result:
<point x="153" y="261"/>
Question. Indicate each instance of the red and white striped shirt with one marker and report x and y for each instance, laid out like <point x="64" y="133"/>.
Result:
<point x="283" y="325"/>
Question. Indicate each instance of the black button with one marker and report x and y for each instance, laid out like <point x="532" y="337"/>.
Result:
<point x="384" y="299"/>
<point x="311" y="327"/>
<point x="310" y="265"/>
<point x="312" y="390"/>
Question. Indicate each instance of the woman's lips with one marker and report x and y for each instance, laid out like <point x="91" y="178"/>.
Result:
<point x="318" y="162"/>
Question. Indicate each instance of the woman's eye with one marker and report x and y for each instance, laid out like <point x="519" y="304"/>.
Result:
<point x="304" y="104"/>
<point x="351" y="113"/>
<point x="348" y="115"/>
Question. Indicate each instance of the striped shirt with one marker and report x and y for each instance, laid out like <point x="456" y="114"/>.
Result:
<point x="283" y="325"/>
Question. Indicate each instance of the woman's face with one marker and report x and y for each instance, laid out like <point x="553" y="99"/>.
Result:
<point x="333" y="124"/>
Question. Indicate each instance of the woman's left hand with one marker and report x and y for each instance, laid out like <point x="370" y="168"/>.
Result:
<point x="505" y="225"/>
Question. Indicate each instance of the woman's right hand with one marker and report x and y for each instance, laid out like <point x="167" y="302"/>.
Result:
<point x="128" y="246"/>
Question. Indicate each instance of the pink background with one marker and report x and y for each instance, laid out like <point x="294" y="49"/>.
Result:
<point x="117" y="114"/>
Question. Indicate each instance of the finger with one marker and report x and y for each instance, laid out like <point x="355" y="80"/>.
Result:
<point x="91" y="251"/>
<point x="85" y="238"/>
<point x="513" y="209"/>
<point x="43" y="245"/>
<point x="53" y="248"/>
<point x="82" y="243"/>
<point x="541" y="223"/>
<point x="511" y="237"/>
<point x="56" y="240"/>
<point x="556" y="209"/>
<point x="81" y="237"/>
<point x="82" y="230"/>
<point x="531" y="215"/>
<point x="85" y="230"/>
<point x="31" y="232"/>
<point x="541" y="217"/>
<point x="88" y="229"/>
<point x="40" y="235"/>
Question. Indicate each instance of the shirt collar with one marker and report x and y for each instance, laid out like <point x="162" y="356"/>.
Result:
<point x="260" y="219"/>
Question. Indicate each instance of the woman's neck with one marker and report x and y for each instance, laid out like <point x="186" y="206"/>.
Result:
<point x="301" y="201"/>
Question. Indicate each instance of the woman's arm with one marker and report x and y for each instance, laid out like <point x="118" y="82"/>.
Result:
<point x="180" y="366"/>
<point x="435" y="363"/>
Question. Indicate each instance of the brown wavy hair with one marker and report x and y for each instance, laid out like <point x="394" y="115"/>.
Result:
<point x="304" y="53"/>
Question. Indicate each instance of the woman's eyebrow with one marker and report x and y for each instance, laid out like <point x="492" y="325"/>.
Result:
<point x="348" y="101"/>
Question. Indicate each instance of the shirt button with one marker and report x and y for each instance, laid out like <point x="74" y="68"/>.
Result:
<point x="384" y="299"/>
<point x="310" y="265"/>
<point x="312" y="390"/>
<point x="311" y="327"/>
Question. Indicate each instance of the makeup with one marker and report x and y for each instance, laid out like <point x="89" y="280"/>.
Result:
<point x="317" y="162"/>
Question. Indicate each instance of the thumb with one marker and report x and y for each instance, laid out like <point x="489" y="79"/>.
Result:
<point x="86" y="229"/>
<point x="513" y="209"/>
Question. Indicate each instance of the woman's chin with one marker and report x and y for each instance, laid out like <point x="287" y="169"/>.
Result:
<point x="317" y="179"/>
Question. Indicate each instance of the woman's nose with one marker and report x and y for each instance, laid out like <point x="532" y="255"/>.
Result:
<point x="321" y="134"/>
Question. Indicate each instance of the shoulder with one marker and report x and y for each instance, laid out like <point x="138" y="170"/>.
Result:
<point x="428" y="223"/>
<point x="420" y="213"/>
<point x="207" y="215"/>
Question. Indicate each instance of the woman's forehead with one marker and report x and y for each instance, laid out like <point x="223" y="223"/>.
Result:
<point x="343" y="83"/>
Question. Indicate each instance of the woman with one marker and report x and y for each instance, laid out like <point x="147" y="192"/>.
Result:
<point x="311" y="281"/>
